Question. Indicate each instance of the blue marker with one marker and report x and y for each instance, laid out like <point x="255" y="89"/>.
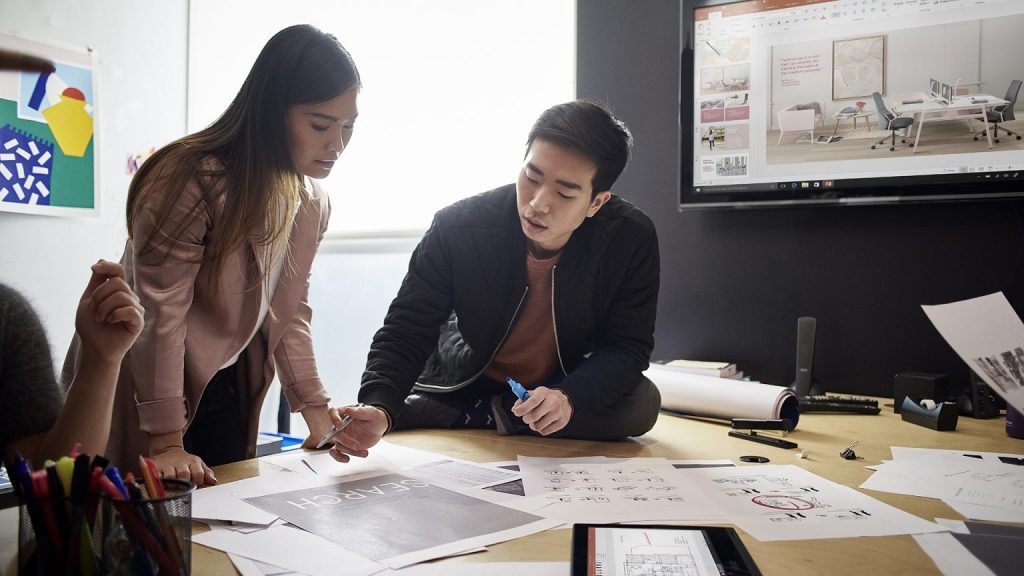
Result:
<point x="518" y="389"/>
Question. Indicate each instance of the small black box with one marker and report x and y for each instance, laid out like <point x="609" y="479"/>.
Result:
<point x="918" y="386"/>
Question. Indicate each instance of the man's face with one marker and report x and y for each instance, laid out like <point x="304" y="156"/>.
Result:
<point x="318" y="133"/>
<point x="554" y="196"/>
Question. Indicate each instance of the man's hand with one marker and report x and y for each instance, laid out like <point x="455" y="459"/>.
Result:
<point x="366" y="429"/>
<point x="547" y="411"/>
<point x="109" y="316"/>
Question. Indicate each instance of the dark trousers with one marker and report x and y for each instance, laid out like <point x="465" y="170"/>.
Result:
<point x="632" y="414"/>
<point x="219" y="432"/>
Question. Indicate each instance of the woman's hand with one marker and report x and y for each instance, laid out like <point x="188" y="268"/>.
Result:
<point x="175" y="462"/>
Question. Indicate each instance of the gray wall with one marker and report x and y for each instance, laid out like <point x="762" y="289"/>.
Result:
<point x="734" y="282"/>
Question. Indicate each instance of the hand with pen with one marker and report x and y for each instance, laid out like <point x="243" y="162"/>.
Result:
<point x="545" y="410"/>
<point x="359" y="428"/>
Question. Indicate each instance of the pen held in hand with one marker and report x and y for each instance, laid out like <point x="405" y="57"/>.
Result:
<point x="518" y="389"/>
<point x="334" y="431"/>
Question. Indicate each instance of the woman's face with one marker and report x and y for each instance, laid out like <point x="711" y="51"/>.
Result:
<point x="318" y="133"/>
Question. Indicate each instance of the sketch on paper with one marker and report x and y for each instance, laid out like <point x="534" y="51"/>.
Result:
<point x="858" y="67"/>
<point x="47" y="133"/>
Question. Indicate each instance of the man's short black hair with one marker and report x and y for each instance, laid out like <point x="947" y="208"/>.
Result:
<point x="590" y="129"/>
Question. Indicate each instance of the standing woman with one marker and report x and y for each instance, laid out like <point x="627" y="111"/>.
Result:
<point x="223" y="226"/>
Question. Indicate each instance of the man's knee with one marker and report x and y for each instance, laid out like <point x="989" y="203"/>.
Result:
<point x="648" y="406"/>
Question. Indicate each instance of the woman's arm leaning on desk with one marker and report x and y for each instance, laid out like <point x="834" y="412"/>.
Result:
<point x="108" y="320"/>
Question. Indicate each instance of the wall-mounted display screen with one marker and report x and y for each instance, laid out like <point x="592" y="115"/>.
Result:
<point x="850" y="101"/>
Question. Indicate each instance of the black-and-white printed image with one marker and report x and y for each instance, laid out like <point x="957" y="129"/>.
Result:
<point x="731" y="165"/>
<point x="1006" y="369"/>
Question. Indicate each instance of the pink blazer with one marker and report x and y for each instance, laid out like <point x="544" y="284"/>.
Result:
<point x="191" y="331"/>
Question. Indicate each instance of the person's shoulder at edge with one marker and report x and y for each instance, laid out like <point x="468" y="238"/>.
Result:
<point x="12" y="299"/>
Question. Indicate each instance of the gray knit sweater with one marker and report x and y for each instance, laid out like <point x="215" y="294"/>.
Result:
<point x="30" y="397"/>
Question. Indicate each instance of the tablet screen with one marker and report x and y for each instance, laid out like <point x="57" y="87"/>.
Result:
<point x="629" y="550"/>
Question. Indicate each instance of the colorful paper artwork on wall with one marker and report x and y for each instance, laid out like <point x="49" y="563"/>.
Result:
<point x="47" y="133"/>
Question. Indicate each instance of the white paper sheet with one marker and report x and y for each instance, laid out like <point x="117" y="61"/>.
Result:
<point x="985" y="513"/>
<point x="989" y="336"/>
<point x="219" y="502"/>
<point x="250" y="567"/>
<point x="903" y="452"/>
<point x="290" y="548"/>
<point x="613" y="490"/>
<point x="951" y="557"/>
<point x="786" y="502"/>
<point x="384" y="456"/>
<point x="722" y="398"/>
<point x="484" y="569"/>
<point x="461" y="474"/>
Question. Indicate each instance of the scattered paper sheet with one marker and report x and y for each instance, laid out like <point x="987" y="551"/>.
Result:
<point x="485" y="569"/>
<point x="938" y="476"/>
<point x="613" y="490"/>
<point x="219" y="502"/>
<point x="250" y="567"/>
<point x="461" y="474"/>
<point x="789" y="503"/>
<point x="989" y="336"/>
<point x="955" y="478"/>
<point x="397" y="520"/>
<point x="384" y="456"/>
<point x="1004" y="457"/>
<point x="290" y="548"/>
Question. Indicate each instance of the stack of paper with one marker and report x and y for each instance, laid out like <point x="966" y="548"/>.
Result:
<point x="707" y="368"/>
<point x="979" y="485"/>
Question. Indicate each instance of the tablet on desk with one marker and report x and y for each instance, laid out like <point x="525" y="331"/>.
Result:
<point x="626" y="549"/>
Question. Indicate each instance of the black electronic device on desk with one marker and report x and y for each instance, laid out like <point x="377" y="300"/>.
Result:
<point x="806" y="387"/>
<point x="830" y="403"/>
<point x="599" y="549"/>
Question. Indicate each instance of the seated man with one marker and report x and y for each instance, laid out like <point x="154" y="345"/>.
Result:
<point x="552" y="281"/>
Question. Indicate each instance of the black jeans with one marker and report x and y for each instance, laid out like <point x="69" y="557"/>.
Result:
<point x="633" y="414"/>
<point x="219" y="432"/>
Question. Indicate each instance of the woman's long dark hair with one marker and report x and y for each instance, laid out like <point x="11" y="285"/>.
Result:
<point x="251" y="160"/>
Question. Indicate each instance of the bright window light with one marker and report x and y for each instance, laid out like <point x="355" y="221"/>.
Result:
<point x="450" y="90"/>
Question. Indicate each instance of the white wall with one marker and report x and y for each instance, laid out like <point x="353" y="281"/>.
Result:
<point x="1001" y="47"/>
<point x="141" y="49"/>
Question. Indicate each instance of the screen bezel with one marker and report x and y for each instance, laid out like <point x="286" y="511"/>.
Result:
<point x="859" y="191"/>
<point x="724" y="542"/>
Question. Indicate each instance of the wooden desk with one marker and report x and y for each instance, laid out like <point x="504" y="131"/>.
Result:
<point x="823" y="435"/>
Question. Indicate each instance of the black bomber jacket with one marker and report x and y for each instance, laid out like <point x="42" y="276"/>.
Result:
<point x="467" y="282"/>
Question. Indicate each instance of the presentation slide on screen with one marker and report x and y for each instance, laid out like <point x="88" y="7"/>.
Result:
<point x="805" y="93"/>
